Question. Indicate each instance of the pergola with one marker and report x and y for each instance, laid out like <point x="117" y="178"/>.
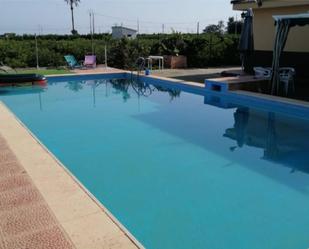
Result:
<point x="283" y="24"/>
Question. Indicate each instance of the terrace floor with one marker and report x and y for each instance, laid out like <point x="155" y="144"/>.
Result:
<point x="195" y="75"/>
<point x="98" y="69"/>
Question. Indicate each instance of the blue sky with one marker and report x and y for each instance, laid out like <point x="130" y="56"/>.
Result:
<point x="53" y="16"/>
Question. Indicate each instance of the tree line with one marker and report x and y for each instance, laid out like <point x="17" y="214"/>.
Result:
<point x="204" y="50"/>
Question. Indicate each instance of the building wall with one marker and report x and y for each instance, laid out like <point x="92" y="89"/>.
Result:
<point x="269" y="4"/>
<point x="296" y="53"/>
<point x="129" y="33"/>
<point x="264" y="29"/>
<point x="119" y="32"/>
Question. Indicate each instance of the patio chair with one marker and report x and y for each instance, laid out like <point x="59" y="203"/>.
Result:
<point x="72" y="62"/>
<point x="90" y="61"/>
<point x="262" y="72"/>
<point x="287" y="75"/>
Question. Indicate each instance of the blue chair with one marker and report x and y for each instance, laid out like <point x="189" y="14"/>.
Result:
<point x="72" y="62"/>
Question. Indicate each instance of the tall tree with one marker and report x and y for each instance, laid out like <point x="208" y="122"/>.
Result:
<point x="233" y="26"/>
<point x="215" y="28"/>
<point x="72" y="3"/>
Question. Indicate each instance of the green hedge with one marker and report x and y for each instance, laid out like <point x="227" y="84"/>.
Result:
<point x="201" y="50"/>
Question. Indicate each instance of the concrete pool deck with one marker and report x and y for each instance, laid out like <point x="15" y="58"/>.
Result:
<point x="197" y="75"/>
<point x="78" y="220"/>
<point x="193" y="77"/>
<point x="99" y="69"/>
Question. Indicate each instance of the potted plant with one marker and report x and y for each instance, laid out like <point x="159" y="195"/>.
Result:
<point x="172" y="47"/>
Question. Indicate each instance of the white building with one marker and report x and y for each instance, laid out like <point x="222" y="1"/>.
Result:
<point x="119" y="32"/>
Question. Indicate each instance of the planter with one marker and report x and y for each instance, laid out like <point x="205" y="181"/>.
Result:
<point x="173" y="62"/>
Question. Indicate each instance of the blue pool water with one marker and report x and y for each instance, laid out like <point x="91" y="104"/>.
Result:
<point x="176" y="172"/>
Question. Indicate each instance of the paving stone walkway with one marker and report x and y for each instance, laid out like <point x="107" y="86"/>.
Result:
<point x="26" y="222"/>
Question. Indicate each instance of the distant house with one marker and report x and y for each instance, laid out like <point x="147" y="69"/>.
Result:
<point x="8" y="35"/>
<point x="296" y="53"/>
<point x="119" y="32"/>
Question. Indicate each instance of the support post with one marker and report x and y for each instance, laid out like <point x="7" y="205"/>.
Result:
<point x="37" y="52"/>
<point x="105" y="55"/>
<point x="198" y="28"/>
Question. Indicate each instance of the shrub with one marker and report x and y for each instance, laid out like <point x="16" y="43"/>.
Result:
<point x="202" y="50"/>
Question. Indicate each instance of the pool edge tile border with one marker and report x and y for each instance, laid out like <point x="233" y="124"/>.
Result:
<point x="113" y="219"/>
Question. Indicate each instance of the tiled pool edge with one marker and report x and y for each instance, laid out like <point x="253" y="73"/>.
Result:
<point x="232" y="98"/>
<point x="238" y="97"/>
<point x="113" y="234"/>
<point x="199" y="88"/>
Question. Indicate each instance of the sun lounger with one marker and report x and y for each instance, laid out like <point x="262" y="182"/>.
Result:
<point x="21" y="79"/>
<point x="9" y="76"/>
<point x="72" y="62"/>
<point x="6" y="69"/>
<point x="90" y="61"/>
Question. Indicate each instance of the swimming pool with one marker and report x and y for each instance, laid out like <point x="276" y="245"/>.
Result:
<point x="177" y="172"/>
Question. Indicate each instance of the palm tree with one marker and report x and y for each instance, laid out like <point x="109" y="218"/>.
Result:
<point x="72" y="3"/>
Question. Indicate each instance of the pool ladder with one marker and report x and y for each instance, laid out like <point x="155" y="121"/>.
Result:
<point x="140" y="64"/>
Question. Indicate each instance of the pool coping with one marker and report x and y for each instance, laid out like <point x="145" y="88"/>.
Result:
<point x="199" y="88"/>
<point x="105" y="227"/>
<point x="234" y="98"/>
<point x="223" y="99"/>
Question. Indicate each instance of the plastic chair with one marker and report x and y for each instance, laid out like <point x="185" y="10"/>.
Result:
<point x="72" y="62"/>
<point x="90" y="61"/>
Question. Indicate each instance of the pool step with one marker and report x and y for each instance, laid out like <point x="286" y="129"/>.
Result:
<point x="216" y="86"/>
<point x="225" y="84"/>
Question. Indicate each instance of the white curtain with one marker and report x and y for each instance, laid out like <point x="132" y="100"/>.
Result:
<point x="282" y="31"/>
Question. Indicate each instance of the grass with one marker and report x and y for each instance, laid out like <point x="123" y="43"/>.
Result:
<point x="45" y="71"/>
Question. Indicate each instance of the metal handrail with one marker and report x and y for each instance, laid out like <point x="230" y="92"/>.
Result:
<point x="140" y="63"/>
